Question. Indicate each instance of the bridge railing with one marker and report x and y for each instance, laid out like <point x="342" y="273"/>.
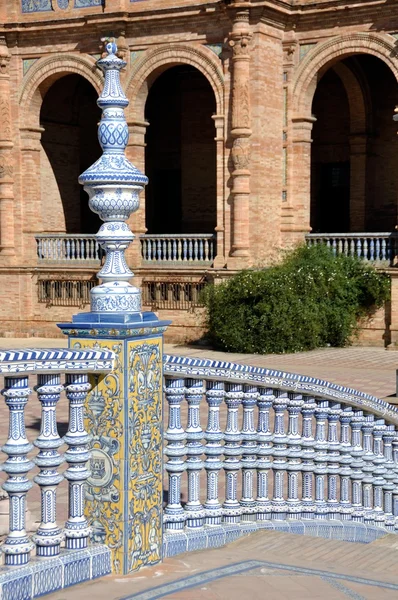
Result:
<point x="43" y="369"/>
<point x="252" y="444"/>
<point x="178" y="248"/>
<point x="372" y="247"/>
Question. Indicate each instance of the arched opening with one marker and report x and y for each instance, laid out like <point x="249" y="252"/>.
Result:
<point x="180" y="155"/>
<point x="69" y="117"/>
<point x="354" y="179"/>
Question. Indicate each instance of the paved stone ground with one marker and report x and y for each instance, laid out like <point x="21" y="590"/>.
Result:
<point x="268" y="565"/>
<point x="272" y="566"/>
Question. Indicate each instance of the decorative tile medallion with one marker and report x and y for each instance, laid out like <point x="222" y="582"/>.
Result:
<point x="304" y="49"/>
<point x="124" y="416"/>
<point x="31" y="6"/>
<point x="135" y="55"/>
<point x="88" y="3"/>
<point x="216" y="48"/>
<point x="27" y="63"/>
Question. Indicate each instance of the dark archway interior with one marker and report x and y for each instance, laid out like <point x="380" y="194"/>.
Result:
<point x="180" y="157"/>
<point x="69" y="116"/>
<point x="336" y="169"/>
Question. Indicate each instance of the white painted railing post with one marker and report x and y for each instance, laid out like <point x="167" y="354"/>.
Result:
<point x="333" y="460"/>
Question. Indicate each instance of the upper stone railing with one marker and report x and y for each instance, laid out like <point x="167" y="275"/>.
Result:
<point x="373" y="247"/>
<point x="46" y="367"/>
<point x="63" y="247"/>
<point x="291" y="447"/>
<point x="185" y="249"/>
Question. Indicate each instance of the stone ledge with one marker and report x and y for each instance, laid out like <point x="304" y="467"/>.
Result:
<point x="175" y="543"/>
<point x="43" y="576"/>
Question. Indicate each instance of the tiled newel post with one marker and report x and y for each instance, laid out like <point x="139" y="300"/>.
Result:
<point x="124" y="410"/>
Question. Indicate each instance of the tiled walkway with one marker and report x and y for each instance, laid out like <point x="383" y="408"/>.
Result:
<point x="271" y="566"/>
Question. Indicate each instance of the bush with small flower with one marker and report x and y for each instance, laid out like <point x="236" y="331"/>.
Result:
<point x="311" y="299"/>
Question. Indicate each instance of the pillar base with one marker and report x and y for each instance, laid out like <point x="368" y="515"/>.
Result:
<point x="124" y="416"/>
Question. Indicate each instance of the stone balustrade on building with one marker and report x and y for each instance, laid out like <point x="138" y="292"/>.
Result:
<point x="372" y="247"/>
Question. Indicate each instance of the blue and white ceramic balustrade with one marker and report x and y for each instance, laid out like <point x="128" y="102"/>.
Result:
<point x="51" y="540"/>
<point x="278" y="450"/>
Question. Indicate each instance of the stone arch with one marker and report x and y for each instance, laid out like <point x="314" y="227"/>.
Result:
<point x="355" y="95"/>
<point x="323" y="55"/>
<point x="145" y="71"/>
<point x="44" y="73"/>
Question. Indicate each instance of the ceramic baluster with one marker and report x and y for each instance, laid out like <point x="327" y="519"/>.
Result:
<point x="175" y="451"/>
<point x="194" y="449"/>
<point x="17" y="546"/>
<point x="321" y="458"/>
<point x="389" y="476"/>
<point x="49" y="535"/>
<point x="249" y="452"/>
<point x="368" y="468"/>
<point x="379" y="471"/>
<point x="294" y="463"/>
<point x="232" y="450"/>
<point x="214" y="436"/>
<point x="279" y="452"/>
<point x="76" y="527"/>
<point x="264" y="451"/>
<point x="307" y="458"/>
<point x="346" y="459"/>
<point x="333" y="460"/>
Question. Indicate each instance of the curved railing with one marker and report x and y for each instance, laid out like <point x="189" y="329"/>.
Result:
<point x="291" y="447"/>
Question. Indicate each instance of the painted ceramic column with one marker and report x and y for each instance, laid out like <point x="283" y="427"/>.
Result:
<point x="280" y="453"/>
<point x="294" y="464"/>
<point x="346" y="459"/>
<point x="17" y="546"/>
<point x="264" y="452"/>
<point x="307" y="458"/>
<point x="241" y="132"/>
<point x="357" y="464"/>
<point x="333" y="460"/>
<point x="124" y="410"/>
<point x="7" y="246"/>
<point x="213" y="435"/>
<point x="49" y="536"/>
<point x="194" y="391"/>
<point x="368" y="468"/>
<point x="232" y="451"/>
<point x="249" y="450"/>
<point x="321" y="447"/>
<point x="389" y="476"/>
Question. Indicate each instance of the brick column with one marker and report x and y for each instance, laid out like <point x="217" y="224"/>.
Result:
<point x="31" y="188"/>
<point x="358" y="143"/>
<point x="241" y="132"/>
<point x="135" y="152"/>
<point x="7" y="246"/>
<point x="219" y="121"/>
<point x="301" y="180"/>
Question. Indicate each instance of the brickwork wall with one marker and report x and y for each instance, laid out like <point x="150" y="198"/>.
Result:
<point x="263" y="171"/>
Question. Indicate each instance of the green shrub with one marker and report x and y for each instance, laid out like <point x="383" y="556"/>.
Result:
<point x="312" y="299"/>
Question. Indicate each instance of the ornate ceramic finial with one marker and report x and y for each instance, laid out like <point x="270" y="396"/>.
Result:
<point x="113" y="185"/>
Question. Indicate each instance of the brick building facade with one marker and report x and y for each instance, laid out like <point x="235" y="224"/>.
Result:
<point x="256" y="121"/>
